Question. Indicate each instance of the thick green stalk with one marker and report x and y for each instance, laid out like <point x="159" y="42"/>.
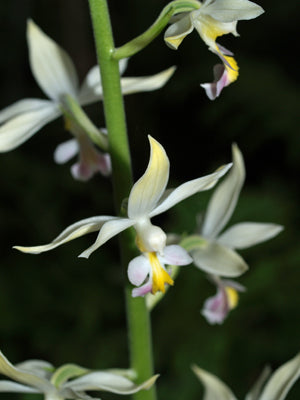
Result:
<point x="137" y="314"/>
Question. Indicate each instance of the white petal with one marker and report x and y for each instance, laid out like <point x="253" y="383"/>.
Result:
<point x="225" y="197"/>
<point x="177" y="31"/>
<point x="247" y="234"/>
<point x="7" y="369"/>
<point x="123" y="65"/>
<point x="282" y="380"/>
<point x="91" y="89"/>
<point x="74" y="231"/>
<point x="51" y="66"/>
<point x="9" y="386"/>
<point x="147" y="191"/>
<point x="20" y="128"/>
<point x="36" y="367"/>
<point x="65" y="151"/>
<point x="107" y="382"/>
<point x="254" y="393"/>
<point x="21" y="107"/>
<point x="176" y="255"/>
<point x="109" y="229"/>
<point x="215" y="389"/>
<point x="189" y="188"/>
<point x="146" y="83"/>
<point x="219" y="260"/>
<point x="138" y="269"/>
<point x="232" y="10"/>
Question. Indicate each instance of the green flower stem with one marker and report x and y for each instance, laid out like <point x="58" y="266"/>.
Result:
<point x="137" y="314"/>
<point x="141" y="41"/>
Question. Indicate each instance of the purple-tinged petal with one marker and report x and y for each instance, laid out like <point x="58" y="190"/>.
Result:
<point x="214" y="89"/>
<point x="138" y="269"/>
<point x="215" y="308"/>
<point x="142" y="290"/>
<point x="176" y="255"/>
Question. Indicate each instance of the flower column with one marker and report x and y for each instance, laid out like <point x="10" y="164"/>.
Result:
<point x="137" y="313"/>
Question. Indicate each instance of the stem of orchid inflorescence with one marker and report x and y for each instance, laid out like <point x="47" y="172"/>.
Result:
<point x="137" y="314"/>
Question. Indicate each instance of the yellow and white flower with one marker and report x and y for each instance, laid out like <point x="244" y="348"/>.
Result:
<point x="55" y="73"/>
<point x="148" y="198"/>
<point x="214" y="18"/>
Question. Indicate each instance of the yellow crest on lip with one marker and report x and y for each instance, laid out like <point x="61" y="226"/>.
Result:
<point x="159" y="274"/>
<point x="232" y="297"/>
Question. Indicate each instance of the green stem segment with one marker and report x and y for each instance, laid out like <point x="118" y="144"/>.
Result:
<point x="137" y="314"/>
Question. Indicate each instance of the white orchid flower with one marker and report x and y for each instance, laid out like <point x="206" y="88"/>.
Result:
<point x="67" y="382"/>
<point x="216" y="254"/>
<point x="214" y="18"/>
<point x="55" y="73"/>
<point x="148" y="198"/>
<point x="216" y="308"/>
<point x="276" y="387"/>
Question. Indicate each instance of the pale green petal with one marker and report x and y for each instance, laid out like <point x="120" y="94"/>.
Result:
<point x="147" y="191"/>
<point x="282" y="380"/>
<point x="247" y="234"/>
<point x="219" y="260"/>
<point x="232" y="10"/>
<point x="21" y="127"/>
<point x="51" y="66"/>
<point x="255" y="391"/>
<point x="189" y="188"/>
<point x="13" y="387"/>
<point x="215" y="389"/>
<point x="225" y="197"/>
<point x="108" y="230"/>
<point x="176" y="32"/>
<point x="7" y="369"/>
<point x="74" y="231"/>
<point x="108" y="382"/>
<point x="146" y="83"/>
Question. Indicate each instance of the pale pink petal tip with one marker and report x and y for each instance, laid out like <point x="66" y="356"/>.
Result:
<point x="65" y="151"/>
<point x="142" y="290"/>
<point x="138" y="269"/>
<point x="176" y="255"/>
<point x="214" y="89"/>
<point x="215" y="308"/>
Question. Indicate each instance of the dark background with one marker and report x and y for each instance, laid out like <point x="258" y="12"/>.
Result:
<point x="64" y="309"/>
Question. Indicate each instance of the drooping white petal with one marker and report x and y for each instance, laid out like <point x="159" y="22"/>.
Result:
<point x="138" y="269"/>
<point x="219" y="260"/>
<point x="91" y="88"/>
<point x="282" y="380"/>
<point x="177" y="31"/>
<point x="232" y="10"/>
<point x="215" y="389"/>
<point x="51" y="66"/>
<point x="189" y="188"/>
<point x="36" y="367"/>
<point x="7" y="369"/>
<point x="146" y="83"/>
<point x="225" y="197"/>
<point x="21" y="107"/>
<point x="254" y="393"/>
<point x="107" y="381"/>
<point x="65" y="151"/>
<point x="175" y="255"/>
<point x="247" y="234"/>
<point x="147" y="191"/>
<point x="109" y="229"/>
<point x="74" y="231"/>
<point x="20" y="128"/>
<point x="13" y="387"/>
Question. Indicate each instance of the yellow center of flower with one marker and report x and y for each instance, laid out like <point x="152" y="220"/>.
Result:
<point x="232" y="297"/>
<point x="159" y="274"/>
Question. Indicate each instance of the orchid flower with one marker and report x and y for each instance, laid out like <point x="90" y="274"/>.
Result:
<point x="67" y="382"/>
<point x="55" y="73"/>
<point x="147" y="199"/>
<point x="216" y="308"/>
<point x="213" y="251"/>
<point x="214" y="18"/>
<point x="274" y="388"/>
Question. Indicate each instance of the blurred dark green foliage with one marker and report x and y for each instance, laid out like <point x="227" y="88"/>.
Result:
<point x="64" y="309"/>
